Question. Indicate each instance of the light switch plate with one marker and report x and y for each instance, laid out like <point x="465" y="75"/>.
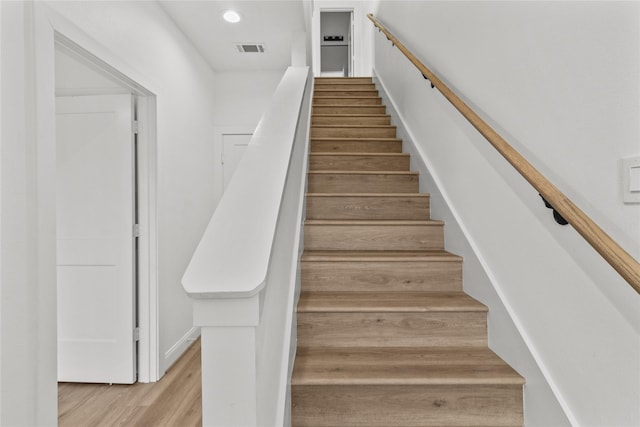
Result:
<point x="631" y="180"/>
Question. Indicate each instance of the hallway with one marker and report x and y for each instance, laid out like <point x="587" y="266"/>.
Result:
<point x="172" y="401"/>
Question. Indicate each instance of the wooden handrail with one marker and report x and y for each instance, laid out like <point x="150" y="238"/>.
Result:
<point x="627" y="266"/>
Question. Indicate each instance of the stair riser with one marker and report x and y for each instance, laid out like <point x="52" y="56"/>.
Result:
<point x="359" y="183"/>
<point x="319" y="162"/>
<point x="349" y="109"/>
<point x="341" y="81"/>
<point x="380" y="329"/>
<point x="353" y="132"/>
<point x="345" y="92"/>
<point x="373" y="237"/>
<point x="319" y="88"/>
<point x="346" y="101"/>
<point x="361" y="207"/>
<point x="350" y="146"/>
<point x="373" y="406"/>
<point x="350" y="120"/>
<point x="405" y="276"/>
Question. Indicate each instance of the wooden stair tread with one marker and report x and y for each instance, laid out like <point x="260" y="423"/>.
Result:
<point x="320" y="78"/>
<point x="389" y="195"/>
<point x="366" y="87"/>
<point x="373" y="138"/>
<point x="354" y="126"/>
<point x="379" y="256"/>
<point x="351" y="154"/>
<point x="346" y="97"/>
<point x="326" y="86"/>
<point x="349" y="115"/>
<point x="342" y="172"/>
<point x="350" y="161"/>
<point x="350" y="108"/>
<point x="343" y="106"/>
<point x="387" y="302"/>
<point x="399" y="222"/>
<point x="363" y="83"/>
<point x="343" y="80"/>
<point x="398" y="366"/>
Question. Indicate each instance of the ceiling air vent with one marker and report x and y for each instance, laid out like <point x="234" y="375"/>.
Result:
<point x="250" y="47"/>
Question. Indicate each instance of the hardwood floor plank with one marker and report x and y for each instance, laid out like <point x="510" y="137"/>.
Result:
<point x="175" y="400"/>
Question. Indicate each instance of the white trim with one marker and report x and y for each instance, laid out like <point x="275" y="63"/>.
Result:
<point x="352" y="58"/>
<point x="355" y="38"/>
<point x="73" y="40"/>
<point x="178" y="349"/>
<point x="481" y="259"/>
<point x="148" y="321"/>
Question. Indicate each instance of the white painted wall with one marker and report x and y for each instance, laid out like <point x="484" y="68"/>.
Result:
<point x="559" y="80"/>
<point x="28" y="385"/>
<point x="241" y="97"/>
<point x="362" y="32"/>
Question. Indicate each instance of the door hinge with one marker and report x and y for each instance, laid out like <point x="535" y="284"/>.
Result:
<point x="136" y="230"/>
<point x="136" y="334"/>
<point x="136" y="127"/>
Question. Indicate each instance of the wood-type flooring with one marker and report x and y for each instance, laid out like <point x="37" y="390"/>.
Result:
<point x="175" y="400"/>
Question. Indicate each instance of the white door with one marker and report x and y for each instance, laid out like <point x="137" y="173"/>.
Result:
<point x="95" y="243"/>
<point x="233" y="146"/>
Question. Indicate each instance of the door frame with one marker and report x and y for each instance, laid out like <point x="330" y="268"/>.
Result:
<point x="147" y="268"/>
<point x="354" y="61"/>
<point x="351" y="49"/>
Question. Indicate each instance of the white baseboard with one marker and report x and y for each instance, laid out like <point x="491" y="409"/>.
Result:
<point x="176" y="350"/>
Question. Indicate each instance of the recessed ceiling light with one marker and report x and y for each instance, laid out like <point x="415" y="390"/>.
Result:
<point x="231" y="16"/>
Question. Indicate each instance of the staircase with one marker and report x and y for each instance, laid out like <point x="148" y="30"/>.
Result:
<point x="386" y="335"/>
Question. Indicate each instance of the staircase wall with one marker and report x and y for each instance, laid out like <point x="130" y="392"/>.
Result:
<point x="578" y="321"/>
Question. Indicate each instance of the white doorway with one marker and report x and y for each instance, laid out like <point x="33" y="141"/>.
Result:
<point x="96" y="242"/>
<point x="229" y="145"/>
<point x="336" y="44"/>
<point x="106" y="222"/>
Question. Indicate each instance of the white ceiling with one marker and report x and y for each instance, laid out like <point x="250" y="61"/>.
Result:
<point x="271" y="22"/>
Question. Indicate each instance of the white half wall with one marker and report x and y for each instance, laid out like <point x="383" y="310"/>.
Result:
<point x="559" y="80"/>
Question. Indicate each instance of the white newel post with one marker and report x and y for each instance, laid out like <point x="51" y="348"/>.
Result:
<point x="228" y="328"/>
